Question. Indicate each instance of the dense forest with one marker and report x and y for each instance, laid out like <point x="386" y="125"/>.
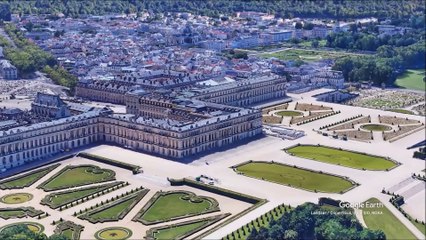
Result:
<point x="395" y="9"/>
<point x="300" y="223"/>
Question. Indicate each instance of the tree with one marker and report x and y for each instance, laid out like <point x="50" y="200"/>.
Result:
<point x="22" y="232"/>
<point x="298" y="25"/>
<point x="315" y="43"/>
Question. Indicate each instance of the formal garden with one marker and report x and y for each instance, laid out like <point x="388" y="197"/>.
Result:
<point x="77" y="196"/>
<point x="113" y="233"/>
<point x="342" y="157"/>
<point x="16" y="198"/>
<point x="294" y="176"/>
<point x="378" y="217"/>
<point x="172" y="205"/>
<point x="19" y="212"/>
<point x="75" y="176"/>
<point x="33" y="226"/>
<point x="69" y="229"/>
<point x="182" y="230"/>
<point x="27" y="179"/>
<point x="113" y="209"/>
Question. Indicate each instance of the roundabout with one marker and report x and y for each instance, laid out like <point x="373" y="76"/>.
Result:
<point x="35" y="227"/>
<point x="16" y="198"/>
<point x="376" y="127"/>
<point x="113" y="233"/>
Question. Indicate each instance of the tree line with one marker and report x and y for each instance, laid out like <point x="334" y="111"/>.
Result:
<point x="337" y="9"/>
<point x="383" y="67"/>
<point x="27" y="57"/>
<point x="301" y="223"/>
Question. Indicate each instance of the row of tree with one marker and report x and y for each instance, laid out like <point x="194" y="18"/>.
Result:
<point x="27" y="57"/>
<point x="303" y="223"/>
<point x="325" y="9"/>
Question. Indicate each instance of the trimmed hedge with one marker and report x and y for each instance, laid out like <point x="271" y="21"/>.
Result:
<point x="109" y="186"/>
<point x="135" y="169"/>
<point x="214" y="189"/>
<point x="261" y="221"/>
<point x="209" y="221"/>
<point x="139" y="216"/>
<point x="136" y="196"/>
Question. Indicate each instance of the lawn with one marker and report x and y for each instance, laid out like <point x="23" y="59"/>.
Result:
<point x="289" y="113"/>
<point x="27" y="179"/>
<point x="296" y="177"/>
<point x="73" y="176"/>
<point x="58" y="199"/>
<point x="12" y="214"/>
<point x="376" y="127"/>
<point x="68" y="233"/>
<point x="171" y="205"/>
<point x="179" y="231"/>
<point x="404" y="111"/>
<point x="114" y="233"/>
<point x="341" y="157"/>
<point x="412" y="79"/>
<point x="16" y="198"/>
<point x="304" y="55"/>
<point x="116" y="210"/>
<point x="380" y="218"/>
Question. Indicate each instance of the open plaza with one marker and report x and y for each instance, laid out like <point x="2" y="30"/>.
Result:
<point x="216" y="194"/>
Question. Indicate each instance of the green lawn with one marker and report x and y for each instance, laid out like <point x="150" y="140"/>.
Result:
<point x="12" y="214"/>
<point x="55" y="200"/>
<point x="114" y="211"/>
<point x="341" y="157"/>
<point x="26" y="180"/>
<point x="78" y="176"/>
<point x="179" y="231"/>
<point x="420" y="226"/>
<point x="376" y="127"/>
<point x="404" y="111"/>
<point x="171" y="206"/>
<point x="68" y="233"/>
<point x="289" y="113"/>
<point x="412" y="79"/>
<point x="380" y="218"/>
<point x="296" y="177"/>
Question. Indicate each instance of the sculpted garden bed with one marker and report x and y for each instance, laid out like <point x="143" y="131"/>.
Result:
<point x="172" y="205"/>
<point x="69" y="229"/>
<point x="183" y="229"/>
<point x="115" y="209"/>
<point x="341" y="157"/>
<point x="27" y="179"/>
<point x="20" y="212"/>
<point x="59" y="199"/>
<point x="294" y="176"/>
<point x="75" y="176"/>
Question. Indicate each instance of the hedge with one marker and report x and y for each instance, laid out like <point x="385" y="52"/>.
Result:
<point x="135" y="169"/>
<point x="214" y="189"/>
